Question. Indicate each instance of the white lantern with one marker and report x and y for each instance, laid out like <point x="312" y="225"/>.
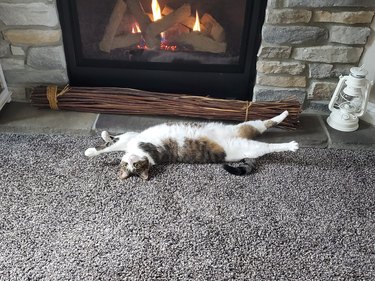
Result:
<point x="4" y="92"/>
<point x="349" y="101"/>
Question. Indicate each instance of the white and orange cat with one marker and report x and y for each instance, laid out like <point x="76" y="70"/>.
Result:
<point x="192" y="143"/>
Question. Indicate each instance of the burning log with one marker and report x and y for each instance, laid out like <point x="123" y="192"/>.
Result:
<point x="201" y="43"/>
<point x="157" y="27"/>
<point x="139" y="14"/>
<point x="127" y="24"/>
<point x="213" y="28"/>
<point x="166" y="10"/>
<point x="188" y="22"/>
<point x="112" y="26"/>
<point x="131" y="101"/>
<point x="174" y="26"/>
<point x="124" y="41"/>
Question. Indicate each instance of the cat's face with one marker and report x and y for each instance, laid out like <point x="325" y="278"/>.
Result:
<point x="134" y="165"/>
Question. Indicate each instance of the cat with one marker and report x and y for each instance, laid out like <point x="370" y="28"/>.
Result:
<point x="192" y="143"/>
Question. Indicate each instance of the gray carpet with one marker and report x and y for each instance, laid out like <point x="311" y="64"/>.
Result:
<point x="302" y="216"/>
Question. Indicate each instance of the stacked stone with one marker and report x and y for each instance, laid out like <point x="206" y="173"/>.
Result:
<point x="307" y="45"/>
<point x="31" y="50"/>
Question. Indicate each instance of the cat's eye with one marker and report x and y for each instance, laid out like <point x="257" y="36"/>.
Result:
<point x="137" y="165"/>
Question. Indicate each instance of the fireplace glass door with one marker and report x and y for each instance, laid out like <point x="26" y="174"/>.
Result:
<point x="203" y="47"/>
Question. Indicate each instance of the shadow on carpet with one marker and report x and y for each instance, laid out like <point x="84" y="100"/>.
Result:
<point x="307" y="215"/>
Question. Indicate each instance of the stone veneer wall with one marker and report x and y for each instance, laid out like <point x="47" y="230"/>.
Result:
<point x="307" y="45"/>
<point x="31" y="48"/>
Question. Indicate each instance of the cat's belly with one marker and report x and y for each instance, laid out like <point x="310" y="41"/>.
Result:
<point x="201" y="150"/>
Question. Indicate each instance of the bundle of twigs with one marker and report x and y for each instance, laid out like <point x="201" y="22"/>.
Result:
<point x="131" y="101"/>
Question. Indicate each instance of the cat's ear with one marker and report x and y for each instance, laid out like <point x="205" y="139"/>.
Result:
<point x="145" y="175"/>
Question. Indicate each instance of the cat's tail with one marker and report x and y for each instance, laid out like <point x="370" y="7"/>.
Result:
<point x="244" y="168"/>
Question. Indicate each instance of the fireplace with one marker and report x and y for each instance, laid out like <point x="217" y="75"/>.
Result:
<point x="199" y="47"/>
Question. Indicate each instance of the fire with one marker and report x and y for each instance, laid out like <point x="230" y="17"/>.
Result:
<point x="156" y="11"/>
<point x="136" y="28"/>
<point x="156" y="15"/>
<point x="197" y="25"/>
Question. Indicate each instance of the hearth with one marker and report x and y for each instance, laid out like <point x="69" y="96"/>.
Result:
<point x="199" y="47"/>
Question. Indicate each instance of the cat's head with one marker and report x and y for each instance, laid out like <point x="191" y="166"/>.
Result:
<point x="134" y="165"/>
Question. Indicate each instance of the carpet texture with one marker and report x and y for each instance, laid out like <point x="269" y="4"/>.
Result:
<point x="307" y="215"/>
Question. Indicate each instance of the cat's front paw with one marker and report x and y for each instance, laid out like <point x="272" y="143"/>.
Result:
<point x="90" y="152"/>
<point x="293" y="146"/>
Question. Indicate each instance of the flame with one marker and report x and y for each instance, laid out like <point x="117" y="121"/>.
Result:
<point x="197" y="25"/>
<point x="136" y="28"/>
<point x="156" y="11"/>
<point x="156" y="14"/>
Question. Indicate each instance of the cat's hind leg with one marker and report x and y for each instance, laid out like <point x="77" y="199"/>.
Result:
<point x="238" y="149"/>
<point x="276" y="120"/>
<point x="251" y="129"/>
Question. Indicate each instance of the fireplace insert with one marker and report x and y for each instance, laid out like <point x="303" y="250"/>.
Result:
<point x="197" y="47"/>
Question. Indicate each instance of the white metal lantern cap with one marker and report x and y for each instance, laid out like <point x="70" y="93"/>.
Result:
<point x="358" y="72"/>
<point x="349" y="101"/>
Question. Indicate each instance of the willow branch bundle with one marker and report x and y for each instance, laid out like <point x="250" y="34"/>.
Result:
<point x="131" y="101"/>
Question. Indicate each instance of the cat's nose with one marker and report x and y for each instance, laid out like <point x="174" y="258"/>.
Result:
<point x="124" y="174"/>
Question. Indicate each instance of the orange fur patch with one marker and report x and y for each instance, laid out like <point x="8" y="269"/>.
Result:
<point x="247" y="132"/>
<point x="202" y="150"/>
<point x="213" y="146"/>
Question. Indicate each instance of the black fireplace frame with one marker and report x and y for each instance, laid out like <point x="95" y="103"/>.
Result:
<point x="219" y="81"/>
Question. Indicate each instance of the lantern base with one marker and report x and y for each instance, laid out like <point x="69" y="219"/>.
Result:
<point x="342" y="122"/>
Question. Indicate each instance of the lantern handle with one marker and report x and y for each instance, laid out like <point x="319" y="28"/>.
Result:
<point x="367" y="93"/>
<point x="337" y="90"/>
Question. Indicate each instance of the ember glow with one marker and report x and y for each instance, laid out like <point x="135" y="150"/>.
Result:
<point x="167" y="47"/>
